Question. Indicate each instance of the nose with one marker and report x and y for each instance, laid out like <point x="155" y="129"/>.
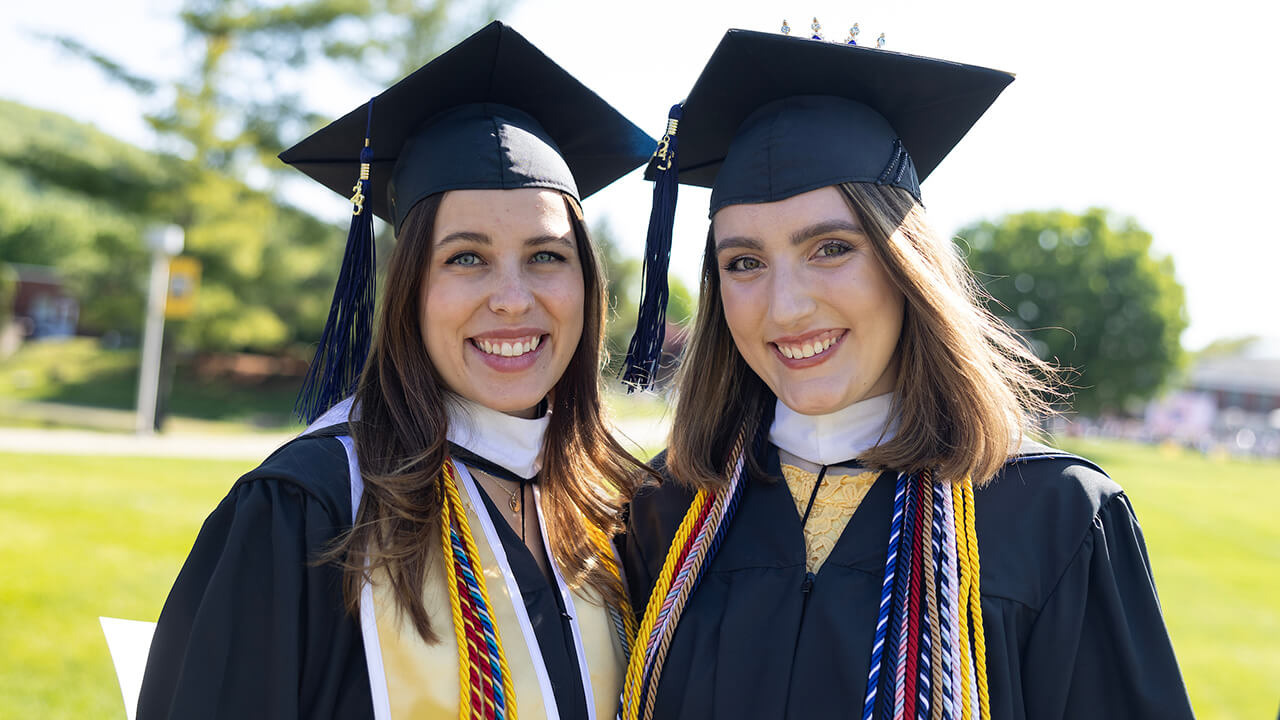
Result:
<point x="511" y="293"/>
<point x="791" y="299"/>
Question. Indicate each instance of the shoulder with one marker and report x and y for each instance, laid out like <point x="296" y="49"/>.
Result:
<point x="1036" y="517"/>
<point x="657" y="509"/>
<point x="311" y="468"/>
<point x="1043" y="478"/>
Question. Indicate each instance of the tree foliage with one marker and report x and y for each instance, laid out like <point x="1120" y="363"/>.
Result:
<point x="8" y="289"/>
<point x="221" y="114"/>
<point x="79" y="200"/>
<point x="626" y="274"/>
<point x="1086" y="291"/>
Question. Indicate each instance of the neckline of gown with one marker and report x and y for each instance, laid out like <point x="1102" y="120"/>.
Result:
<point x="860" y="545"/>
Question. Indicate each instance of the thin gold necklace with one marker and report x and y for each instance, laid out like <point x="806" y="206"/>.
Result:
<point x="515" y="498"/>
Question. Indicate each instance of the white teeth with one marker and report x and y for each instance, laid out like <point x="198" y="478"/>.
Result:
<point x="509" y="348"/>
<point x="807" y="350"/>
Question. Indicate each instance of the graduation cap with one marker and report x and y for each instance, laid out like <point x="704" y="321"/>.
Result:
<point x="493" y="112"/>
<point x="773" y="116"/>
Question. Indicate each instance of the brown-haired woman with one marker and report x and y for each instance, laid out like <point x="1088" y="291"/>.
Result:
<point x="850" y="432"/>
<point x="438" y="543"/>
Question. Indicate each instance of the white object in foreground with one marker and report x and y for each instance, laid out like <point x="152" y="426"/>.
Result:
<point x="129" y="642"/>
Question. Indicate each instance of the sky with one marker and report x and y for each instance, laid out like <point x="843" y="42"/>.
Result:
<point x="1161" y="111"/>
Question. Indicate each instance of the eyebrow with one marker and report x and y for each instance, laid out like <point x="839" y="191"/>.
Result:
<point x="828" y="226"/>
<point x="549" y="240"/>
<point x="797" y="238"/>
<point x="464" y="236"/>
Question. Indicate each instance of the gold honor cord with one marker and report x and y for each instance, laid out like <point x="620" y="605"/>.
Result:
<point x="635" y="668"/>
<point x="962" y="559"/>
<point x="975" y="600"/>
<point x="454" y="516"/>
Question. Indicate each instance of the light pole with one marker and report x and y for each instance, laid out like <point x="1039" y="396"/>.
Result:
<point x="164" y="241"/>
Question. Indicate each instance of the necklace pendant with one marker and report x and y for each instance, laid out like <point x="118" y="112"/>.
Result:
<point x="514" y="502"/>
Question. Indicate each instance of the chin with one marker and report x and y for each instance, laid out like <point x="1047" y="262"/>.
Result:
<point x="516" y="401"/>
<point x="811" y="402"/>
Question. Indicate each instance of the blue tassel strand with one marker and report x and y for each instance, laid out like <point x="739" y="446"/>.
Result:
<point x="645" y="352"/>
<point x="344" y="345"/>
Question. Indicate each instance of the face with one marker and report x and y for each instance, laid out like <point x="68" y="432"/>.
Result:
<point x="809" y="304"/>
<point x="502" y="298"/>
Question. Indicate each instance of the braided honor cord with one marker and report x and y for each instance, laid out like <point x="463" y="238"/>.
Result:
<point x="486" y="691"/>
<point x="690" y="553"/>
<point x="928" y="658"/>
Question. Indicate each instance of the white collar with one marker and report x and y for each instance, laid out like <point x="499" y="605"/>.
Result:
<point x="511" y="442"/>
<point x="342" y="412"/>
<point x="835" y="437"/>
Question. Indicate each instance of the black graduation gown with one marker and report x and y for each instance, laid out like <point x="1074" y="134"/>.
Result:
<point x="1072" y="623"/>
<point x="254" y="629"/>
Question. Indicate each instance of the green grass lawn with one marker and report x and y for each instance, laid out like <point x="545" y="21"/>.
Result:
<point x="83" y="537"/>
<point x="1212" y="531"/>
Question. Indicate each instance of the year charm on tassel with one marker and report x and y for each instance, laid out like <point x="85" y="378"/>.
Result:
<point x="357" y="200"/>
<point x="663" y="153"/>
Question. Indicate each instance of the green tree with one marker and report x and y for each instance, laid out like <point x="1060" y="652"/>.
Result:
<point x="1086" y="291"/>
<point x="8" y="289"/>
<point x="221" y="114"/>
<point x="77" y="199"/>
<point x="625" y="274"/>
<point x="268" y="270"/>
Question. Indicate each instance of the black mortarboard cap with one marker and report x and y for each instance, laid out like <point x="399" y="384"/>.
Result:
<point x="772" y="116"/>
<point x="493" y="112"/>
<point x="523" y="105"/>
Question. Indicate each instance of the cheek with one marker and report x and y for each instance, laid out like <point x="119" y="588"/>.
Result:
<point x="441" y="312"/>
<point x="743" y="306"/>
<point x="565" y="298"/>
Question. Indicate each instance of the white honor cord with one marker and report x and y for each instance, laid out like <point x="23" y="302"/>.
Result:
<point x="569" y="609"/>
<point x="513" y="590"/>
<point x="368" y="618"/>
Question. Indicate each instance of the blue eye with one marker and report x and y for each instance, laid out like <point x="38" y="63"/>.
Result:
<point x="464" y="258"/>
<point x="744" y="263"/>
<point x="546" y="256"/>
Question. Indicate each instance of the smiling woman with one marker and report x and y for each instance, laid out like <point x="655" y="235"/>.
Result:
<point x="853" y="521"/>
<point x="504" y="284"/>
<point x="438" y="542"/>
<point x="807" y="300"/>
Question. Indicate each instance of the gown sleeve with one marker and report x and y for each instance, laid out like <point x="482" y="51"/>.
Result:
<point x="1099" y="647"/>
<point x="253" y="627"/>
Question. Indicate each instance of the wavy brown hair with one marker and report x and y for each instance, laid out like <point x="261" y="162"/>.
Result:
<point x="400" y="438"/>
<point x="967" y="387"/>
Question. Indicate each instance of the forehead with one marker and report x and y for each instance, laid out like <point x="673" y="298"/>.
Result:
<point x="522" y="212"/>
<point x="784" y="216"/>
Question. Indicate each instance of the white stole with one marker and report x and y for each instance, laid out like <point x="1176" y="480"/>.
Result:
<point x="410" y="679"/>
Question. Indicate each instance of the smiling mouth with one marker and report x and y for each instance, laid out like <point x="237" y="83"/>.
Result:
<point x="809" y="347"/>
<point x="507" y="347"/>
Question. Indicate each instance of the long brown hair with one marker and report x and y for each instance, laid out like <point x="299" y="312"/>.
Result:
<point x="400" y="438"/>
<point x="967" y="387"/>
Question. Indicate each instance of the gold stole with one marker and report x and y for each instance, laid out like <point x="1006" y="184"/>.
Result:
<point x="422" y="679"/>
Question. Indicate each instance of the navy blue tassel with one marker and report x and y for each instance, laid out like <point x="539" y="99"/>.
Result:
<point x="645" y="351"/>
<point x="339" y="360"/>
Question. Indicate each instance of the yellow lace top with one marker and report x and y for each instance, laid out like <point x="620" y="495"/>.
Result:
<point x="838" y="497"/>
